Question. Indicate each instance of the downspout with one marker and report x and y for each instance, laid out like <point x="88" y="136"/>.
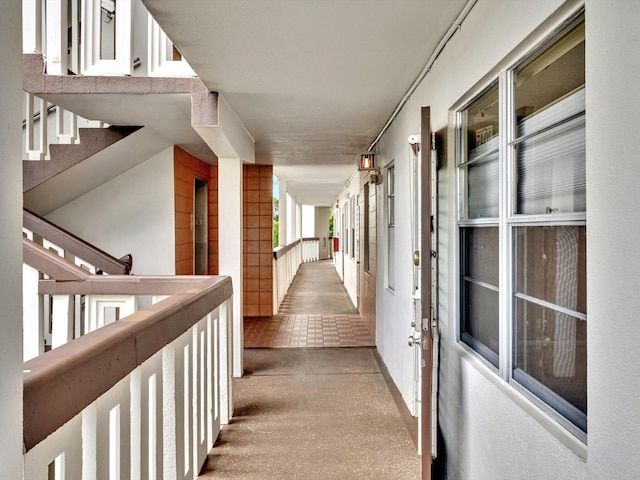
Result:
<point x="434" y="56"/>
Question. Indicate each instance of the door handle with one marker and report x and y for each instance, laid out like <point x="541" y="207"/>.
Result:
<point x="414" y="339"/>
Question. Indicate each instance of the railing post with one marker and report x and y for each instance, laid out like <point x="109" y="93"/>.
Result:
<point x="74" y="58"/>
<point x="169" y="434"/>
<point x="160" y="52"/>
<point x="226" y="361"/>
<point x="32" y="311"/>
<point x="57" y="42"/>
<point x="32" y="26"/>
<point x="91" y="40"/>
<point x="34" y="153"/>
<point x="68" y="120"/>
<point x="63" y="320"/>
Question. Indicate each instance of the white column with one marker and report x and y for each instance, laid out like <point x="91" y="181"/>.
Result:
<point x="291" y="219"/>
<point x="613" y="233"/>
<point x="230" y="244"/>
<point x="11" y="241"/>
<point x="282" y="215"/>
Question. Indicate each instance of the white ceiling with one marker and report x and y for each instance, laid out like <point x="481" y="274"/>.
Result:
<point x="313" y="81"/>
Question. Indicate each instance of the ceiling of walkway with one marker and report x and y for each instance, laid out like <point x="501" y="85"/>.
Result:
<point x="313" y="81"/>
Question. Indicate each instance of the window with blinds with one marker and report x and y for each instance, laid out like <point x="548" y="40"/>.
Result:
<point x="522" y="226"/>
<point x="549" y="249"/>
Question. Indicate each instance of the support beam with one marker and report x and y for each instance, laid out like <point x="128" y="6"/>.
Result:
<point x="230" y="249"/>
<point x="226" y="135"/>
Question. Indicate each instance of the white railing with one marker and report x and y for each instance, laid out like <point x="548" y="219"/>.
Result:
<point x="50" y="321"/>
<point x="45" y="124"/>
<point x="105" y="43"/>
<point x="142" y="398"/>
<point x="310" y="249"/>
<point x="286" y="261"/>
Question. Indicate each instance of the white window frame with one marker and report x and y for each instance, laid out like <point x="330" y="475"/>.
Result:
<point x="390" y="208"/>
<point x="507" y="222"/>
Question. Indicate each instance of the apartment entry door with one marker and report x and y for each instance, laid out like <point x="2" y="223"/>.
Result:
<point x="201" y="227"/>
<point x="428" y="294"/>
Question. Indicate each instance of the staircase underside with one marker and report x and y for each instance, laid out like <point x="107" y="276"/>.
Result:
<point x="63" y="157"/>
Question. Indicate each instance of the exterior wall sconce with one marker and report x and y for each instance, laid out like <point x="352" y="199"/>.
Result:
<point x="367" y="161"/>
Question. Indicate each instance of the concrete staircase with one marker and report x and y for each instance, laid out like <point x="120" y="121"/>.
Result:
<point x="63" y="156"/>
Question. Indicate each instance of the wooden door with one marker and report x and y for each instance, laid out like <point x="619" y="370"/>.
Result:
<point x="427" y="261"/>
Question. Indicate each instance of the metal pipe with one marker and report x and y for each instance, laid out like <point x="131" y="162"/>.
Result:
<point x="436" y="53"/>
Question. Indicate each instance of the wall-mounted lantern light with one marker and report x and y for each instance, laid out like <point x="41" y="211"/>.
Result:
<point x="367" y="161"/>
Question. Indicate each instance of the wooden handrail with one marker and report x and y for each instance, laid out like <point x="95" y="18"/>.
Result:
<point x="77" y="246"/>
<point x="59" y="384"/>
<point x="280" y="251"/>
<point x="45" y="261"/>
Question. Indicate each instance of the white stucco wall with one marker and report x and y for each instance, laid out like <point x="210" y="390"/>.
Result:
<point x="613" y="236"/>
<point x="132" y="213"/>
<point x="489" y="429"/>
<point x="11" y="241"/>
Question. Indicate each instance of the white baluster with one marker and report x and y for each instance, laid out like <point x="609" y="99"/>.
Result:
<point x="33" y="152"/>
<point x="169" y="413"/>
<point x="160" y="54"/>
<point x="59" y="454"/>
<point x="91" y="40"/>
<point x="226" y="361"/>
<point x="74" y="59"/>
<point x="66" y="126"/>
<point x="63" y="320"/>
<point x="32" y="26"/>
<point x="33" y="333"/>
<point x="57" y="42"/>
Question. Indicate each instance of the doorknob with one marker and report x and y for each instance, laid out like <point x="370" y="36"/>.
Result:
<point x="414" y="339"/>
<point x="416" y="258"/>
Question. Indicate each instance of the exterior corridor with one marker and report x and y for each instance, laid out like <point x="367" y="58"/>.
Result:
<point x="316" y="312"/>
<point x="314" y="413"/>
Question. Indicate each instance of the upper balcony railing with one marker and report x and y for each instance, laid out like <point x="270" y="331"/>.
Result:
<point x="142" y="397"/>
<point x="100" y="37"/>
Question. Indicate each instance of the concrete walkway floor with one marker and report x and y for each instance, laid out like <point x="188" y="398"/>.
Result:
<point x="313" y="414"/>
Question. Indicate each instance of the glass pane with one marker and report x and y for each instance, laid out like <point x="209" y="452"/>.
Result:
<point x="482" y="189"/>
<point x="551" y="173"/>
<point x="481" y="124"/>
<point x="480" y="254"/>
<point x="551" y="265"/>
<point x="549" y="110"/>
<point x="550" y="76"/>
<point x="479" y="312"/>
<point x="480" y="156"/>
<point x="552" y="348"/>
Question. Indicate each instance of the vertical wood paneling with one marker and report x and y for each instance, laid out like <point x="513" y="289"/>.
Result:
<point x="186" y="169"/>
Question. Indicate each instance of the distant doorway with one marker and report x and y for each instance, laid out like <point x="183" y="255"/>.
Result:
<point x="201" y="227"/>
